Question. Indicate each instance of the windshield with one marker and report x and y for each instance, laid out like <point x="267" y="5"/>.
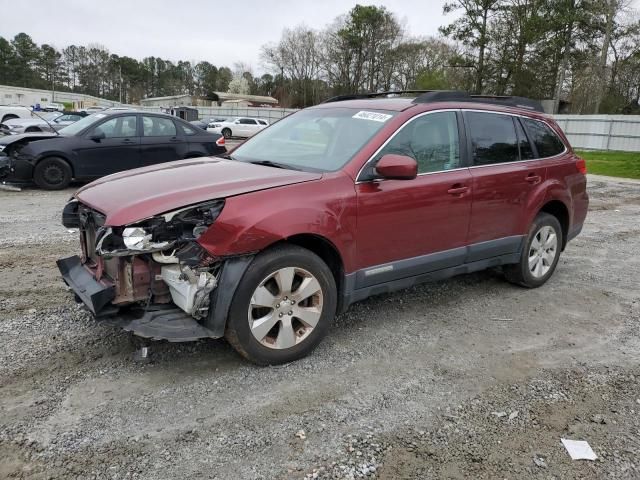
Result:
<point x="51" y="116"/>
<point x="320" y="139"/>
<point x="80" y="125"/>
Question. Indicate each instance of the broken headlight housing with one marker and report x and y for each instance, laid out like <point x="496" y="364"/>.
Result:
<point x="158" y="233"/>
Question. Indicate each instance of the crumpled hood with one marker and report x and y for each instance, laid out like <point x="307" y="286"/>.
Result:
<point x="9" y="139"/>
<point x="135" y="195"/>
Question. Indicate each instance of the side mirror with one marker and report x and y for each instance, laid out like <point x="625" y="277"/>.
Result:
<point x="397" y="167"/>
<point x="96" y="137"/>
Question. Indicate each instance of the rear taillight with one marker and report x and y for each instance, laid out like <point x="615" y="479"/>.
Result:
<point x="220" y="142"/>
<point x="581" y="165"/>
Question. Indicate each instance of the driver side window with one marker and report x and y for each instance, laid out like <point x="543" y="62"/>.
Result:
<point x="119" y="127"/>
<point x="431" y="140"/>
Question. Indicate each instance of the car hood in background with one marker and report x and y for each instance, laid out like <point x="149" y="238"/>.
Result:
<point x="24" y="121"/>
<point x="138" y="194"/>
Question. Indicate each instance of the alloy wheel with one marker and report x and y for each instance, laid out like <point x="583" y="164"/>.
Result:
<point x="543" y="251"/>
<point x="285" y="308"/>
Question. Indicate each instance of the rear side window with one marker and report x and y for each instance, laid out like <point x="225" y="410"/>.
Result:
<point x="493" y="138"/>
<point x="546" y="141"/>
<point x="247" y="121"/>
<point x="158" y="127"/>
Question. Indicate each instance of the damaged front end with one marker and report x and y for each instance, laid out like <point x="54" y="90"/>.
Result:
<point x="153" y="277"/>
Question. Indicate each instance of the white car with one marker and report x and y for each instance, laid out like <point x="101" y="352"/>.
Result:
<point x="91" y="110"/>
<point x="238" y="127"/>
<point x="8" y="112"/>
<point x="53" y="107"/>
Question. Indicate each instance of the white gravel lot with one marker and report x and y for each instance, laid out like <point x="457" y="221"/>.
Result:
<point x="466" y="378"/>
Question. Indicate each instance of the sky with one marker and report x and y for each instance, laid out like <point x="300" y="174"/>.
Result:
<point x="217" y="31"/>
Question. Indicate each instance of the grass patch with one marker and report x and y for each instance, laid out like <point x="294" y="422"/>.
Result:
<point x="614" y="164"/>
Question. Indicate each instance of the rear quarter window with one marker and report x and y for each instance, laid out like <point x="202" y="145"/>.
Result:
<point x="544" y="138"/>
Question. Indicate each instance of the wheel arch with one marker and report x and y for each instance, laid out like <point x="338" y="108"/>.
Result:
<point x="559" y="210"/>
<point x="9" y="116"/>
<point x="327" y="251"/>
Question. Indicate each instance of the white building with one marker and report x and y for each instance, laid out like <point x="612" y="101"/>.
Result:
<point x="219" y="99"/>
<point x="30" y="96"/>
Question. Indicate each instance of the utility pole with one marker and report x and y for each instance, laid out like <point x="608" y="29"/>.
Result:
<point x="120" y="70"/>
<point x="602" y="74"/>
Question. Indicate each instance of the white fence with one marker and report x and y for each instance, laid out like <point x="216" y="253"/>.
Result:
<point x="591" y="132"/>
<point x="602" y="132"/>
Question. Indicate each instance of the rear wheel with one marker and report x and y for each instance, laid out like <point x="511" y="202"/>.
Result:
<point x="540" y="253"/>
<point x="52" y="173"/>
<point x="283" y="306"/>
<point x="226" y="133"/>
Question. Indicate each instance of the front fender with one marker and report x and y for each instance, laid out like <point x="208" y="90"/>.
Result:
<point x="250" y="223"/>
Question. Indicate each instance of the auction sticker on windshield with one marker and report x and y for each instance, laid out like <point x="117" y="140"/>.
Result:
<point x="375" y="116"/>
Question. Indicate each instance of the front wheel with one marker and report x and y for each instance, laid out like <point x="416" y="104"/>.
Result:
<point x="52" y="173"/>
<point x="540" y="253"/>
<point x="283" y="306"/>
<point x="226" y="133"/>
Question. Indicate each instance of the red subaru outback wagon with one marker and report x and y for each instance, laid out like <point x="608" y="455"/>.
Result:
<point x="360" y="195"/>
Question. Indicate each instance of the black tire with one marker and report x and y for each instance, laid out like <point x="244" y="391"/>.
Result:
<point x="226" y="133"/>
<point x="238" y="332"/>
<point x="32" y="129"/>
<point x="521" y="273"/>
<point x="52" y="173"/>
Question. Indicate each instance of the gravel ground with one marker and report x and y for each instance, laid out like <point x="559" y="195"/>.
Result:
<point x="467" y="378"/>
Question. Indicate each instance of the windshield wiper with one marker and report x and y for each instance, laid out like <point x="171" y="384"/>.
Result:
<point x="269" y="163"/>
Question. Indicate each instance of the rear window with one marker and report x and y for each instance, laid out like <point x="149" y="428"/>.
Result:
<point x="546" y="141"/>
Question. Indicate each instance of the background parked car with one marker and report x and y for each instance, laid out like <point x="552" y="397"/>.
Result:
<point x="101" y="144"/>
<point x="93" y="109"/>
<point x="53" y="107"/>
<point x="44" y="122"/>
<point x="205" y="122"/>
<point x="238" y="127"/>
<point x="66" y="119"/>
<point x="8" y="112"/>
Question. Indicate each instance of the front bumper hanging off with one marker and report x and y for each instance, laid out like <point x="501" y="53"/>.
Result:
<point x="94" y="294"/>
<point x="158" y="322"/>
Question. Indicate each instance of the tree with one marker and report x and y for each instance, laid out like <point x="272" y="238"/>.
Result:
<point x="239" y="85"/>
<point x="472" y="29"/>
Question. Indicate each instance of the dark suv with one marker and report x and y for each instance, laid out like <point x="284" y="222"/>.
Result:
<point x="354" y="197"/>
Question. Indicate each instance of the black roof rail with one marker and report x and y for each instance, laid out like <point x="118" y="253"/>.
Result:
<point x="510" y="101"/>
<point x="360" y="96"/>
<point x="459" y="96"/>
<point x="431" y="96"/>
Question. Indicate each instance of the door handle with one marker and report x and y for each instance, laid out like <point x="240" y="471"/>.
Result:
<point x="175" y="139"/>
<point x="458" y="189"/>
<point x="127" y="140"/>
<point x="533" y="178"/>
